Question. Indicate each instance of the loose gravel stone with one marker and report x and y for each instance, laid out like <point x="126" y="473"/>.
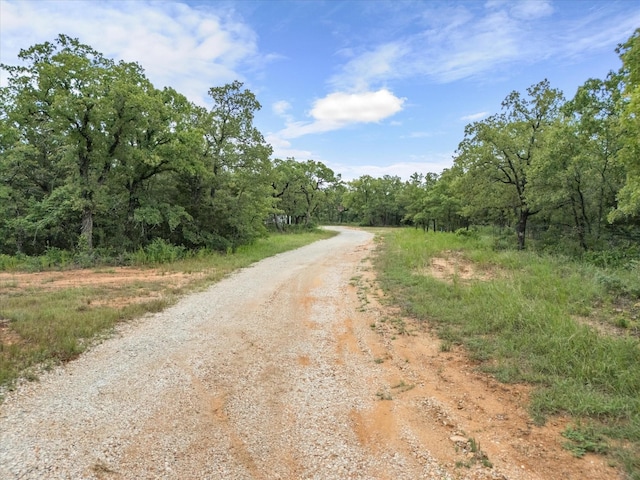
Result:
<point x="245" y="380"/>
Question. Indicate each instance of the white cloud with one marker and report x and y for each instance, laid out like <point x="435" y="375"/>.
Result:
<point x="531" y="9"/>
<point x="189" y="48"/>
<point x="523" y="9"/>
<point x="340" y="109"/>
<point x="421" y="134"/>
<point x="581" y="35"/>
<point x="467" y="46"/>
<point x="404" y="170"/>
<point x="360" y="72"/>
<point x="474" y="116"/>
<point x="281" y="107"/>
<point x="357" y="107"/>
<point x="470" y="39"/>
<point x="282" y="148"/>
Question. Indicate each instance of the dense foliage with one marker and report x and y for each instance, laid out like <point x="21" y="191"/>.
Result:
<point x="94" y="158"/>
<point x="564" y="173"/>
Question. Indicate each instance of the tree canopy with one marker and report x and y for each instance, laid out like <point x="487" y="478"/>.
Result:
<point x="94" y="156"/>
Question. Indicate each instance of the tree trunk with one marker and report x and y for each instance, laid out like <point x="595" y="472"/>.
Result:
<point x="86" y="230"/>
<point x="278" y="221"/>
<point x="521" y="227"/>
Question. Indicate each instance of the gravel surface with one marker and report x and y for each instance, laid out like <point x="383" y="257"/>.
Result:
<point x="262" y="376"/>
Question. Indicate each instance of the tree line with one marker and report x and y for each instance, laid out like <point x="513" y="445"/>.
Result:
<point x="568" y="169"/>
<point x="94" y="157"/>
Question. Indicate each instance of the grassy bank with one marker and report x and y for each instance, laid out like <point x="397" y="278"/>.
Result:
<point x="570" y="329"/>
<point x="42" y="326"/>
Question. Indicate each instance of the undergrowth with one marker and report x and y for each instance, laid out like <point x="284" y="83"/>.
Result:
<point x="568" y="327"/>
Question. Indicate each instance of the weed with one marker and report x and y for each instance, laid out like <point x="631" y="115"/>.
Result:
<point x="621" y="322"/>
<point x="520" y="326"/>
<point x="478" y="454"/>
<point x="384" y="395"/>
<point x="101" y="468"/>
<point x="583" y="439"/>
<point x="400" y="325"/>
<point x="403" y="387"/>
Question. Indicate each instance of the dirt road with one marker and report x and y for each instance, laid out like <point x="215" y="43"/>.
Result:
<point x="288" y="369"/>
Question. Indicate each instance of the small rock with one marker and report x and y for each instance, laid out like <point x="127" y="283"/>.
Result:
<point x="458" y="439"/>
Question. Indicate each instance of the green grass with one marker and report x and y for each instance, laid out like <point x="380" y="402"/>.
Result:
<point x="522" y="325"/>
<point x="56" y="326"/>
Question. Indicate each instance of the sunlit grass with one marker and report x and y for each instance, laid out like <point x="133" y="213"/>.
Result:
<point x="521" y="326"/>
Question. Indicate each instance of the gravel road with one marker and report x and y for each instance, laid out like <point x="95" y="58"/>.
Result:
<point x="262" y="376"/>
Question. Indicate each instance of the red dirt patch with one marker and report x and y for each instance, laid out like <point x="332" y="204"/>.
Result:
<point x="453" y="402"/>
<point x="79" y="278"/>
<point x="454" y="266"/>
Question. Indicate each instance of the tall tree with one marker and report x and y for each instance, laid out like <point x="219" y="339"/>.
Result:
<point x="501" y="149"/>
<point x="61" y="92"/>
<point x="303" y="188"/>
<point x="413" y="197"/>
<point x="80" y="121"/>
<point x="576" y="178"/>
<point x="376" y="201"/>
<point x="231" y="197"/>
<point x="629" y="195"/>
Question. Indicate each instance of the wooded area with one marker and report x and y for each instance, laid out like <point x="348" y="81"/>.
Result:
<point x="94" y="158"/>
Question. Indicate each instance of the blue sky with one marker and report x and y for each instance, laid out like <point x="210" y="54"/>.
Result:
<point x="367" y="87"/>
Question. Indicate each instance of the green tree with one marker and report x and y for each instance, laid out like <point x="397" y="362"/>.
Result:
<point x="498" y="152"/>
<point x="375" y="201"/>
<point x="629" y="195"/>
<point x="576" y="178"/>
<point x="413" y="198"/>
<point x="303" y="189"/>
<point x="443" y="203"/>
<point x="62" y="94"/>
<point x="83" y="139"/>
<point x="229" y="194"/>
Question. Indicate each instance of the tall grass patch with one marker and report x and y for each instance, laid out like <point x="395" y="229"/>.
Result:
<point x="522" y="324"/>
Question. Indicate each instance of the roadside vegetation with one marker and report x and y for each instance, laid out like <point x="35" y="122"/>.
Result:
<point x="42" y="327"/>
<point x="570" y="328"/>
<point x="99" y="169"/>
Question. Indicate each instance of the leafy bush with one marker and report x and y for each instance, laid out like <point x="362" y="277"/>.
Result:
<point x="158" y="251"/>
<point x="11" y="262"/>
<point x="467" y="233"/>
<point x="617" y="257"/>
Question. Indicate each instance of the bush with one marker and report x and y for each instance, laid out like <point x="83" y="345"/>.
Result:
<point x="619" y="257"/>
<point x="467" y="233"/>
<point x="158" y="251"/>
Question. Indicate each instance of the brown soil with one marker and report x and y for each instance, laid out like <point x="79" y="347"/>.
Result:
<point x="455" y="402"/>
<point x="7" y="336"/>
<point x="117" y="276"/>
<point x="453" y="266"/>
<point x="115" y="283"/>
<point x="442" y="392"/>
